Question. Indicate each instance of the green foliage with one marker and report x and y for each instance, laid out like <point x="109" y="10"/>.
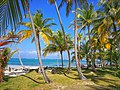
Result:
<point x="5" y="54"/>
<point x="117" y="74"/>
<point x="57" y="44"/>
<point x="42" y="28"/>
<point x="11" y="14"/>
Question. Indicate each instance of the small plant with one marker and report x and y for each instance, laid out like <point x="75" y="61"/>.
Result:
<point x="5" y="55"/>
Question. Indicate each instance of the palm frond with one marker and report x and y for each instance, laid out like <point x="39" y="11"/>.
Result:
<point x="49" y="25"/>
<point x="51" y="48"/>
<point x="10" y="13"/>
<point x="24" y="34"/>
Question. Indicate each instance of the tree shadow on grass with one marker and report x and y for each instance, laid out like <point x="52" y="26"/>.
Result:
<point x="69" y="76"/>
<point x="6" y="78"/>
<point x="111" y="83"/>
<point x="33" y="79"/>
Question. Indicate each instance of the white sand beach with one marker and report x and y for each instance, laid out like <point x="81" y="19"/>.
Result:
<point x="17" y="70"/>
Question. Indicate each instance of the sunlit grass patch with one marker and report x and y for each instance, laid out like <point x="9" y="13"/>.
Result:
<point x="103" y="80"/>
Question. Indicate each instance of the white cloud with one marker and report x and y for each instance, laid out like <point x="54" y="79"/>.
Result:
<point x="32" y="52"/>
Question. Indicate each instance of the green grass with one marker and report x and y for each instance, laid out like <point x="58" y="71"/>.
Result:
<point x="104" y="80"/>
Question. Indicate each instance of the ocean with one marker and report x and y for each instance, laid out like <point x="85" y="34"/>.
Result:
<point x="45" y="62"/>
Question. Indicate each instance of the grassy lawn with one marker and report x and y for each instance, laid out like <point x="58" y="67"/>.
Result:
<point x="103" y="80"/>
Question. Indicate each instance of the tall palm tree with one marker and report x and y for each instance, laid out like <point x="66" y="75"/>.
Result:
<point x="42" y="29"/>
<point x="81" y="76"/>
<point x="63" y="30"/>
<point x="58" y="45"/>
<point x="38" y="49"/>
<point x="69" y="4"/>
<point x="87" y="18"/>
<point x="10" y="12"/>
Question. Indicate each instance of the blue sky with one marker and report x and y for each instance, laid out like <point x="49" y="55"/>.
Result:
<point x="28" y="49"/>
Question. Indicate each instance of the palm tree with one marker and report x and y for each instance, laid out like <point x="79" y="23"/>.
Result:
<point x="41" y="28"/>
<point x="11" y="36"/>
<point x="58" y="45"/>
<point x="87" y="18"/>
<point x="69" y="4"/>
<point x="5" y="55"/>
<point x="110" y="20"/>
<point x="11" y="14"/>
<point x="63" y="30"/>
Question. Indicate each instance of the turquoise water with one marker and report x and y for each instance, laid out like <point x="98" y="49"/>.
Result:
<point x="46" y="62"/>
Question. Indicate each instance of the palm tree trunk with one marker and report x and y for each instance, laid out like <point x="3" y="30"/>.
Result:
<point x="63" y="31"/>
<point x="91" y="56"/>
<point x="78" y="49"/>
<point x="111" y="57"/>
<point x="42" y="70"/>
<point x="1" y="73"/>
<point x="86" y="54"/>
<point x="62" y="58"/>
<point x="87" y="62"/>
<point x="18" y="53"/>
<point x="38" y="50"/>
<point x="69" y="64"/>
<point x="103" y="63"/>
<point x="19" y="56"/>
<point x="78" y="65"/>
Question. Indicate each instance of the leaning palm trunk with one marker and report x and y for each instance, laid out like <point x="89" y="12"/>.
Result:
<point x="18" y="53"/>
<point x="38" y="50"/>
<point x="42" y="69"/>
<point x="78" y="65"/>
<point x="63" y="31"/>
<point x="19" y="56"/>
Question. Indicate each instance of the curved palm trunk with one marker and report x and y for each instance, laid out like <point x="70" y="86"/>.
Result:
<point x="63" y="31"/>
<point x="78" y="65"/>
<point x="19" y="56"/>
<point x="42" y="69"/>
<point x="38" y="50"/>
<point x="91" y="56"/>
<point x="62" y="58"/>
